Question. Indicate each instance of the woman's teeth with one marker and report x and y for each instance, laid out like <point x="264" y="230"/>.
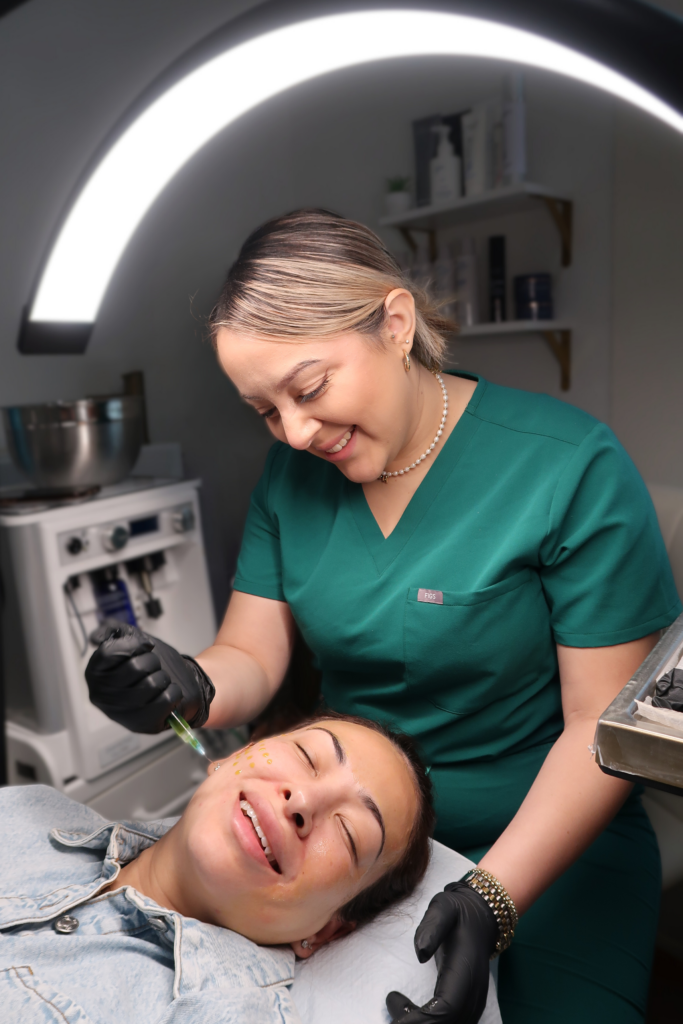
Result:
<point x="342" y="444"/>
<point x="249" y="812"/>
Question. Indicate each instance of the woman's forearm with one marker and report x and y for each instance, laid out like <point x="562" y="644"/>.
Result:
<point x="243" y="688"/>
<point x="249" y="659"/>
<point x="568" y="806"/>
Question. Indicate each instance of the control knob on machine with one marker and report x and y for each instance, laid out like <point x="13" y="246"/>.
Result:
<point x="75" y="545"/>
<point x="183" y="519"/>
<point x="115" y="537"/>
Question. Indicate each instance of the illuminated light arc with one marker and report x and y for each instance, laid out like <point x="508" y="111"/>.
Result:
<point x="151" y="151"/>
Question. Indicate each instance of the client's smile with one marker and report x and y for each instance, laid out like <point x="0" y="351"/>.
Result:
<point x="249" y="812"/>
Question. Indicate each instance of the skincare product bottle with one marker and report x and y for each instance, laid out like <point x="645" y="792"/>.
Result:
<point x="475" y="147"/>
<point x="497" y="309"/>
<point x="444" y="169"/>
<point x="444" y="279"/>
<point x="466" y="284"/>
<point x="425" y="146"/>
<point x="514" y="125"/>
<point x="533" y="297"/>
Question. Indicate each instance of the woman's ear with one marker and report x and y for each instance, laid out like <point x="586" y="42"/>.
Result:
<point x="334" y="929"/>
<point x="400" y="307"/>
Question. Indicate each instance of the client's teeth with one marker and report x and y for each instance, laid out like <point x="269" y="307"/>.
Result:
<point x="347" y="435"/>
<point x="337" y="448"/>
<point x="249" y="811"/>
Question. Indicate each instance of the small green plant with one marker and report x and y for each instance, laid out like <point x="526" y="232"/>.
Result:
<point x="398" y="184"/>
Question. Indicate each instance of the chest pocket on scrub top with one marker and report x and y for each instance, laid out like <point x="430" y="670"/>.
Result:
<point x="464" y="649"/>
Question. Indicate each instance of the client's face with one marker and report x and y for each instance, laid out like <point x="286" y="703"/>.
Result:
<point x="287" y="830"/>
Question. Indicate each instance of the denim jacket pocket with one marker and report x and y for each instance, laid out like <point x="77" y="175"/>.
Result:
<point x="24" y="998"/>
<point x="455" y="642"/>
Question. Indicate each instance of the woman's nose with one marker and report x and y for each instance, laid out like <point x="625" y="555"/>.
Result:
<point x="299" y="811"/>
<point x="299" y="428"/>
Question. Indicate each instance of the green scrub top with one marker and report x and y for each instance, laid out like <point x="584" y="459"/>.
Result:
<point x="531" y="528"/>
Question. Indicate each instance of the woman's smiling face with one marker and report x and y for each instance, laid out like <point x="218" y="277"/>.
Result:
<point x="345" y="399"/>
<point x="335" y="803"/>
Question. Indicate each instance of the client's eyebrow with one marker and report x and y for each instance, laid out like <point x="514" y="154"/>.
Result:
<point x="365" y="797"/>
<point x="338" y="749"/>
<point x="377" y="814"/>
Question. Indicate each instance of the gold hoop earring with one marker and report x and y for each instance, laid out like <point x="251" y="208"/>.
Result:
<point x="406" y="362"/>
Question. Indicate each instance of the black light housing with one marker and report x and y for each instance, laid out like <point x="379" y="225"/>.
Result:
<point x="639" y="41"/>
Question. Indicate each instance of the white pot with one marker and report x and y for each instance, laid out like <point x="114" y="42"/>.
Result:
<point x="397" y="203"/>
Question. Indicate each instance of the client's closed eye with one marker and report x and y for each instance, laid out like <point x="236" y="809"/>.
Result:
<point x="349" y="837"/>
<point x="307" y="757"/>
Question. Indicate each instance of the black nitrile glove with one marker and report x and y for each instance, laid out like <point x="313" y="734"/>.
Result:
<point x="669" y="691"/>
<point x="461" y="925"/>
<point x="138" y="680"/>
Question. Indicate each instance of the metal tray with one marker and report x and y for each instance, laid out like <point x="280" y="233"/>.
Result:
<point x="634" y="749"/>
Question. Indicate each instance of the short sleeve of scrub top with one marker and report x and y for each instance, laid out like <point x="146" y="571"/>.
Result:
<point x="531" y="528"/>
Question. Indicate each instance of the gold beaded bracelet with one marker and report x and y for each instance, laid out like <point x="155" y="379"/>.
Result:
<point x="500" y="902"/>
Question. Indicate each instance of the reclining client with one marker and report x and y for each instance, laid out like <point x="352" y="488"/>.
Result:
<point x="288" y="844"/>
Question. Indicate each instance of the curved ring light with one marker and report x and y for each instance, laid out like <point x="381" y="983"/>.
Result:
<point x="178" y="119"/>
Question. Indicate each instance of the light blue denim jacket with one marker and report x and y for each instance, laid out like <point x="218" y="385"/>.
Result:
<point x="129" y="960"/>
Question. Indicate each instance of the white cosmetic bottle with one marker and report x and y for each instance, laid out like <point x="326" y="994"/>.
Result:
<point x="444" y="170"/>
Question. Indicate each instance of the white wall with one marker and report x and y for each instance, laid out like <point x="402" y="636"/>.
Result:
<point x="67" y="74"/>
<point x="648" y="296"/>
<point x="647" y="363"/>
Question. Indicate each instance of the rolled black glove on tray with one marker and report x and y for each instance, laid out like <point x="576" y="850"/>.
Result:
<point x="460" y="927"/>
<point x="137" y="680"/>
<point x="669" y="691"/>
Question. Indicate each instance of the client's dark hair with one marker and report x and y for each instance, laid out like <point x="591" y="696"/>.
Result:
<point x="400" y="880"/>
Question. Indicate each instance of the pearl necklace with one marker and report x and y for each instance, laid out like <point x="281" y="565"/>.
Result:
<point x="384" y="476"/>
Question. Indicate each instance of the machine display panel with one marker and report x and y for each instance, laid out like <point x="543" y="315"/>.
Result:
<point x="140" y="526"/>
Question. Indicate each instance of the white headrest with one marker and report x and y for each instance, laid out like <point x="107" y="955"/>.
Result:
<point x="349" y="979"/>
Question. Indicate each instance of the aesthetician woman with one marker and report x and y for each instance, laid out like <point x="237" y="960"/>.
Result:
<point x="478" y="566"/>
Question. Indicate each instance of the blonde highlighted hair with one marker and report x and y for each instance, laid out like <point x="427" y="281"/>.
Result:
<point x="314" y="274"/>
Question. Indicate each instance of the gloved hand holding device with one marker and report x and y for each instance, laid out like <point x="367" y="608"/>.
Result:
<point x="463" y="926"/>
<point x="137" y="680"/>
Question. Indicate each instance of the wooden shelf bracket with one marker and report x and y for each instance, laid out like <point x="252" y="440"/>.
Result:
<point x="562" y="212"/>
<point x="560" y="343"/>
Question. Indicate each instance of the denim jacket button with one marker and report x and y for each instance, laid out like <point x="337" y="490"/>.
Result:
<point x="66" y="924"/>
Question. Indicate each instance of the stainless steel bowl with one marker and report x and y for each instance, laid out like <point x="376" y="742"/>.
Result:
<point x="62" y="446"/>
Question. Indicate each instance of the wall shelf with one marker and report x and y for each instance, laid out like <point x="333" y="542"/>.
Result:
<point x="509" y="199"/>
<point x="556" y="333"/>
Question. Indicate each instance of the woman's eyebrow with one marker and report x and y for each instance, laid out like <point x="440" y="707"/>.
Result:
<point x="365" y="797"/>
<point x="286" y="380"/>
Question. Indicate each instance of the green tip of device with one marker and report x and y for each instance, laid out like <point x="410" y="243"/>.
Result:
<point x="185" y="733"/>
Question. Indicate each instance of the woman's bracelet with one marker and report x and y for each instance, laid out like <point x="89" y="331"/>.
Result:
<point x="500" y="902"/>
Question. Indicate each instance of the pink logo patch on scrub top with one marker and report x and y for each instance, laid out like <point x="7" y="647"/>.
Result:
<point x="430" y="596"/>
